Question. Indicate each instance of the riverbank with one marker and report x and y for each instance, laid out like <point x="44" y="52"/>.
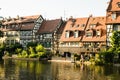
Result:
<point x="53" y="59"/>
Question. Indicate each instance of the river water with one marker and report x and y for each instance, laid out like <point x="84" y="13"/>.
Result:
<point x="36" y="70"/>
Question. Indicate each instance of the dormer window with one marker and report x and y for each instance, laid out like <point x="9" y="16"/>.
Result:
<point x="92" y="25"/>
<point x="98" y="33"/>
<point x="113" y="16"/>
<point x="83" y="25"/>
<point x="89" y="33"/>
<point x="72" y="24"/>
<point x="118" y="4"/>
<point x="77" y="25"/>
<point x="76" y="34"/>
<point x="67" y="34"/>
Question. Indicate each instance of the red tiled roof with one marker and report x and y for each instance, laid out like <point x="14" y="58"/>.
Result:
<point x="100" y="26"/>
<point x="48" y="26"/>
<point x="79" y="24"/>
<point x="26" y="22"/>
<point x="113" y="8"/>
<point x="113" y="5"/>
<point x="27" y="26"/>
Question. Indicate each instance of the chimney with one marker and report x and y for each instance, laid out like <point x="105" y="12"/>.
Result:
<point x="18" y="17"/>
<point x="10" y="18"/>
<point x="71" y="17"/>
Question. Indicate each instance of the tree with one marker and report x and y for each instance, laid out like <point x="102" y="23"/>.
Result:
<point x="39" y="48"/>
<point x="115" y="42"/>
<point x="115" y="39"/>
<point x="40" y="51"/>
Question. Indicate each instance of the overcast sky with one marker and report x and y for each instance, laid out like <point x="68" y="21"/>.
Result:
<point x="52" y="9"/>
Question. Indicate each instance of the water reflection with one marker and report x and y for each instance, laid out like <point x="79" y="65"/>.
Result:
<point x="36" y="70"/>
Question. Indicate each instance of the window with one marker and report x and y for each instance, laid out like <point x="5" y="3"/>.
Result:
<point x="118" y="4"/>
<point x="89" y="34"/>
<point x="12" y="26"/>
<point x="77" y="25"/>
<point x="75" y="34"/>
<point x="98" y="33"/>
<point x="113" y="16"/>
<point x="12" y="41"/>
<point x="41" y="37"/>
<point x="86" y="45"/>
<point x="72" y="24"/>
<point x="83" y="25"/>
<point x="47" y="35"/>
<point x="92" y="25"/>
<point x="116" y="27"/>
<point x="66" y="34"/>
<point x="7" y="41"/>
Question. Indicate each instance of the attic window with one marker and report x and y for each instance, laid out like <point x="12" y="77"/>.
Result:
<point x="92" y="25"/>
<point x="76" y="34"/>
<point x="77" y="25"/>
<point x="72" y="24"/>
<point x="113" y="16"/>
<point x="83" y="25"/>
<point x="98" y="33"/>
<point x="89" y="34"/>
<point x="67" y="34"/>
<point x="118" y="4"/>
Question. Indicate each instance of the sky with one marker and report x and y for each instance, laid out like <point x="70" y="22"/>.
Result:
<point x="51" y="9"/>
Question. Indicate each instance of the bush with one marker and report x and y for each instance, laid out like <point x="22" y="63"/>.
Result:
<point x="105" y="57"/>
<point x="24" y="54"/>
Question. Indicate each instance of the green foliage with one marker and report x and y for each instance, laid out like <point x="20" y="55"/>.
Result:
<point x="13" y="47"/>
<point x="77" y="57"/>
<point x="18" y="50"/>
<point x="32" y="53"/>
<point x="39" y="48"/>
<point x="115" y="43"/>
<point x="108" y="56"/>
<point x="105" y="57"/>
<point x="115" y="39"/>
<point x="24" y="54"/>
<point x="41" y="52"/>
<point x="2" y="46"/>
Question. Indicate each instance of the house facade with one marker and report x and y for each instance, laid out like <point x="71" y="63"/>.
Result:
<point x="28" y="28"/>
<point x="112" y="18"/>
<point x="83" y="35"/>
<point x="94" y="39"/>
<point x="20" y="29"/>
<point x="47" y="34"/>
<point x="70" y="41"/>
<point x="10" y="28"/>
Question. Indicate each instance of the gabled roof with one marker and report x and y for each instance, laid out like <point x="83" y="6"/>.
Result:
<point x="24" y="23"/>
<point x="60" y="30"/>
<point x="99" y="26"/>
<point x="113" y="12"/>
<point x="27" y="26"/>
<point x="19" y="19"/>
<point x="49" y="26"/>
<point x="73" y="25"/>
<point x="113" y="5"/>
